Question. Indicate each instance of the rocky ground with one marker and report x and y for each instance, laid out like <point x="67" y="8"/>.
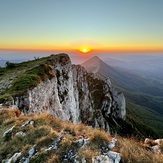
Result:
<point x="42" y="138"/>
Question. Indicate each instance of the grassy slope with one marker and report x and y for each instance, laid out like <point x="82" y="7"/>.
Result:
<point x="46" y="130"/>
<point x="143" y="116"/>
<point x="20" y="77"/>
<point x="148" y="122"/>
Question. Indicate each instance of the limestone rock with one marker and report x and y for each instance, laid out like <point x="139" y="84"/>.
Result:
<point x="101" y="159"/>
<point x="158" y="141"/>
<point x="82" y="141"/>
<point x="111" y="157"/>
<point x="27" y="123"/>
<point x="153" y="145"/>
<point x="114" y="157"/>
<point x="31" y="153"/>
<point x="112" y="144"/>
<point x="14" y="158"/>
<point x="156" y="149"/>
<point x="55" y="143"/>
<point x="8" y="131"/>
<point x="20" y="133"/>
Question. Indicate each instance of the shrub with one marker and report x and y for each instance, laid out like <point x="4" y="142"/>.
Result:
<point x="10" y="64"/>
<point x="5" y="97"/>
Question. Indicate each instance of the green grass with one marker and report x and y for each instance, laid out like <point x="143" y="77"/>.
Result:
<point x="24" y="83"/>
<point x="144" y="112"/>
<point x="5" y="97"/>
<point x="17" y="78"/>
<point x="145" y="120"/>
<point x="30" y="79"/>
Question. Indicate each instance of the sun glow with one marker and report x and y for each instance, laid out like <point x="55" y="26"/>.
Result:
<point x="85" y="50"/>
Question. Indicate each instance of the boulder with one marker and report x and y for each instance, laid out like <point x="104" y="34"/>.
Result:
<point x="101" y="159"/>
<point x="20" y="133"/>
<point x="8" y="131"/>
<point x="114" y="157"/>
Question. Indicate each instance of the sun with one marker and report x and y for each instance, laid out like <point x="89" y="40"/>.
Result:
<point x="85" y="49"/>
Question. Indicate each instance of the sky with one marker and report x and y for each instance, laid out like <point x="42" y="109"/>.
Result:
<point x="113" y="25"/>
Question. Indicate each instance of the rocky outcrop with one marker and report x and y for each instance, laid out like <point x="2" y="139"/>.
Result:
<point x="107" y="155"/>
<point x="74" y="95"/>
<point x="155" y="146"/>
<point x="14" y="158"/>
<point x="8" y="132"/>
<point x="110" y="157"/>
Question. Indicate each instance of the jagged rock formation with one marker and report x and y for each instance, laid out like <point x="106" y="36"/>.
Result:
<point x="74" y="95"/>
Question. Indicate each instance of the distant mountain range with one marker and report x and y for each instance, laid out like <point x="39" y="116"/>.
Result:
<point x="140" y="90"/>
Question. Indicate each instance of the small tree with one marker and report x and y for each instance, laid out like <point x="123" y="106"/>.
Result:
<point x="9" y="64"/>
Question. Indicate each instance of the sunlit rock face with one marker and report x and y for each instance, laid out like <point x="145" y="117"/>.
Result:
<point x="74" y="95"/>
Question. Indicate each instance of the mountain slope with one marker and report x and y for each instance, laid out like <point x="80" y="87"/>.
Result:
<point x="120" y="77"/>
<point x="131" y="84"/>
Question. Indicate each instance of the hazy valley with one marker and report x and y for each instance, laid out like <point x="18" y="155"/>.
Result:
<point x="141" y="85"/>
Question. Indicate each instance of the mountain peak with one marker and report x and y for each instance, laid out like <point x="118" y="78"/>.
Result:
<point x="93" y="64"/>
<point x="95" y="57"/>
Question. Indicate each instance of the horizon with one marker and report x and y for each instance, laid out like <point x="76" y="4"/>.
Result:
<point x="76" y="57"/>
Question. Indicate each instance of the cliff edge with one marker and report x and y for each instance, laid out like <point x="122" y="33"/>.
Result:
<point x="64" y="90"/>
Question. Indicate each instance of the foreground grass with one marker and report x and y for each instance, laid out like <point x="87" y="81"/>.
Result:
<point x="46" y="129"/>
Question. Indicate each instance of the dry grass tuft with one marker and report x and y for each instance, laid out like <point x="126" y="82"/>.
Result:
<point x="87" y="153"/>
<point x="133" y="152"/>
<point x="53" y="159"/>
<point x="100" y="137"/>
<point x="161" y="146"/>
<point x="46" y="119"/>
<point x="45" y="141"/>
<point x="10" y="113"/>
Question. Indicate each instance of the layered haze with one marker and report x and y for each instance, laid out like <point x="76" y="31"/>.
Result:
<point x="140" y="78"/>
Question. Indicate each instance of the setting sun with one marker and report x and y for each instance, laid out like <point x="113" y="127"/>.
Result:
<point x="84" y="50"/>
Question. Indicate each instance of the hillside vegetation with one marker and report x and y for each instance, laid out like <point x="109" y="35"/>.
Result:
<point x="148" y="118"/>
<point x="17" y="78"/>
<point x="45" y="130"/>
